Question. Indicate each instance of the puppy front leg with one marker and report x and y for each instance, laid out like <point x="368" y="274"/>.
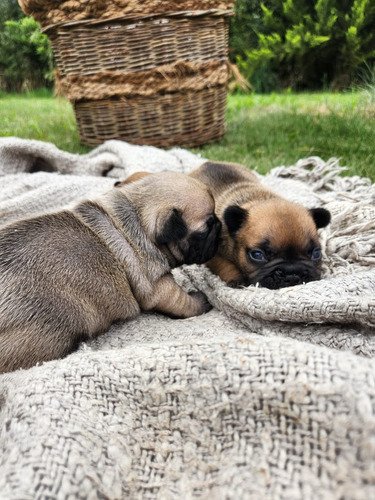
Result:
<point x="170" y="299"/>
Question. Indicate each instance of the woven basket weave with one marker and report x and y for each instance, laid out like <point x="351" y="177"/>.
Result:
<point x="157" y="80"/>
<point x="48" y="12"/>
<point x="165" y="120"/>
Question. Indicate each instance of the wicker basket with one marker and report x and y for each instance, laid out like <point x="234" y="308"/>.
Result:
<point x="48" y="12"/>
<point x="165" y="120"/>
<point x="157" y="80"/>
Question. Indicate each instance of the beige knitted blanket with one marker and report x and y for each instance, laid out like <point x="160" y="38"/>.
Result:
<point x="271" y="395"/>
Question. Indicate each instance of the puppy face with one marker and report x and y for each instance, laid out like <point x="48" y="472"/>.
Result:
<point x="273" y="243"/>
<point x="178" y="213"/>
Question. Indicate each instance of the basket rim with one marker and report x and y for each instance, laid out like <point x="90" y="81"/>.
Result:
<point x="139" y="17"/>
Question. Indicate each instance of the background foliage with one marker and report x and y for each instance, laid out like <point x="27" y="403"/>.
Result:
<point x="277" y="44"/>
<point x="9" y="10"/>
<point x="26" y="60"/>
<point x="303" y="44"/>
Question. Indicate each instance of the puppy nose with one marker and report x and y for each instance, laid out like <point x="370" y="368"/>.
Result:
<point x="293" y="279"/>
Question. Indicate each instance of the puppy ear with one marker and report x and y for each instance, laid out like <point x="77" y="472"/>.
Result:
<point x="132" y="178"/>
<point x="174" y="229"/>
<point x="321" y="217"/>
<point x="234" y="217"/>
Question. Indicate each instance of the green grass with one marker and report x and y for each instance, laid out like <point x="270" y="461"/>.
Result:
<point x="263" y="131"/>
<point x="272" y="130"/>
<point x="40" y="116"/>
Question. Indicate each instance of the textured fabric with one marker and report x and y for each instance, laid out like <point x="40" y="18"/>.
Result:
<point x="269" y="395"/>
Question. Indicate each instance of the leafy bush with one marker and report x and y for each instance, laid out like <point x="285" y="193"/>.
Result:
<point x="244" y="30"/>
<point x="25" y="56"/>
<point x="244" y="27"/>
<point x="308" y="44"/>
<point x="9" y="9"/>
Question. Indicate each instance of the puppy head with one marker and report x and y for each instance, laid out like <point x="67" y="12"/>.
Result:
<point x="178" y="215"/>
<point x="273" y="242"/>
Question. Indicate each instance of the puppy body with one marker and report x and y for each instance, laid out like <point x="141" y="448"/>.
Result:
<point x="265" y="239"/>
<point x="66" y="277"/>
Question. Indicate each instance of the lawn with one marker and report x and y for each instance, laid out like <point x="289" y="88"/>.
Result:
<point x="263" y="131"/>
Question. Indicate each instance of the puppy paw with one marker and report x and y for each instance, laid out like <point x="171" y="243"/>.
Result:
<point x="203" y="305"/>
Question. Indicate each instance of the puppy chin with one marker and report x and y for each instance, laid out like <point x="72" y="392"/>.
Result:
<point x="285" y="275"/>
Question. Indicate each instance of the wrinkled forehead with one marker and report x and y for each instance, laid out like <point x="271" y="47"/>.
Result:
<point x="283" y="225"/>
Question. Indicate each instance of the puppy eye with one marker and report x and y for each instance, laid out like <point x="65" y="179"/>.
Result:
<point x="257" y="255"/>
<point x="316" y="254"/>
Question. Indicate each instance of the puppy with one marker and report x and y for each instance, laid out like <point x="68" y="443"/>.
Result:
<point x="65" y="277"/>
<point x="265" y="239"/>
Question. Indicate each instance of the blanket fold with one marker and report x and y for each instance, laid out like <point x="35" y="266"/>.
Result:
<point x="269" y="395"/>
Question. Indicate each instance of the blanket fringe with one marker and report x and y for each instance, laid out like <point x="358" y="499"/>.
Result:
<point x="326" y="175"/>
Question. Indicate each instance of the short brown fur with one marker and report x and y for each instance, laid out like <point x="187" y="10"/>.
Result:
<point x="66" y="277"/>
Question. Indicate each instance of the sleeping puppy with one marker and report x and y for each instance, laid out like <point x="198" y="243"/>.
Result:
<point x="65" y="277"/>
<point x="265" y="238"/>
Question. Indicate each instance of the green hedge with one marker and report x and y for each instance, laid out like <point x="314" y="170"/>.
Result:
<point x="303" y="44"/>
